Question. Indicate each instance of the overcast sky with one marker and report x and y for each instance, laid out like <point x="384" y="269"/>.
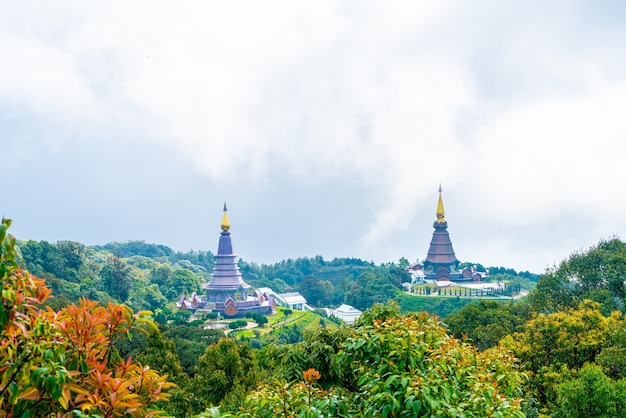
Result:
<point x="326" y="126"/>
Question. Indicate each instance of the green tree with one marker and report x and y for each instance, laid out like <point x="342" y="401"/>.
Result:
<point x="553" y="347"/>
<point x="591" y="394"/>
<point x="597" y="274"/>
<point x="312" y="290"/>
<point x="183" y="281"/>
<point x="226" y="371"/>
<point x="370" y="288"/>
<point x="56" y="363"/>
<point x="389" y="364"/>
<point x="161" y="275"/>
<point x="191" y="342"/>
<point x="486" y="322"/>
<point x="115" y="278"/>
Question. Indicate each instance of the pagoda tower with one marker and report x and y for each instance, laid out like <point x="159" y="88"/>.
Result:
<point x="441" y="259"/>
<point x="226" y="293"/>
<point x="226" y="282"/>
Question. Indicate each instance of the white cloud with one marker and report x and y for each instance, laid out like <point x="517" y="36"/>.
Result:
<point x="512" y="107"/>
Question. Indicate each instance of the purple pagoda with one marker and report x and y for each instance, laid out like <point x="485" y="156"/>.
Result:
<point x="226" y="292"/>
<point x="441" y="262"/>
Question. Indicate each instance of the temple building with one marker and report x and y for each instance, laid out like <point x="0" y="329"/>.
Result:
<point x="226" y="292"/>
<point x="441" y="263"/>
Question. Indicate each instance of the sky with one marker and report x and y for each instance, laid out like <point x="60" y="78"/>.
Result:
<point x="326" y="126"/>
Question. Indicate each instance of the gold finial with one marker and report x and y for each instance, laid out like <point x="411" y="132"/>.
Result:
<point x="440" y="212"/>
<point x="225" y="224"/>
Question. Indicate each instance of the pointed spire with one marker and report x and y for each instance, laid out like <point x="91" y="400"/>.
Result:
<point x="440" y="212"/>
<point x="225" y="223"/>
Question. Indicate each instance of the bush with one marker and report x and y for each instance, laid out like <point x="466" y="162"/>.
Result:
<point x="240" y="323"/>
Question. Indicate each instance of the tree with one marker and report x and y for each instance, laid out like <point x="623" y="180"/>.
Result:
<point x="191" y="342"/>
<point x="552" y="348"/>
<point x="391" y="365"/>
<point x="115" y="277"/>
<point x="183" y="281"/>
<point x="597" y="274"/>
<point x="591" y="394"/>
<point x="486" y="322"/>
<point x="316" y="291"/>
<point x="161" y="275"/>
<point x="53" y="363"/>
<point x="370" y="288"/>
<point x="226" y="371"/>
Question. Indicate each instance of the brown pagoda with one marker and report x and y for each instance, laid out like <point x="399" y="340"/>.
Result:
<point x="441" y="260"/>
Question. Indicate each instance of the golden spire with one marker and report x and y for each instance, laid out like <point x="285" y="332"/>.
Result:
<point x="440" y="212"/>
<point x="225" y="224"/>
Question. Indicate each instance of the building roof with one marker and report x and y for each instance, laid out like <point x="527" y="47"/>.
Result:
<point x="347" y="313"/>
<point x="292" y="298"/>
<point x="347" y="309"/>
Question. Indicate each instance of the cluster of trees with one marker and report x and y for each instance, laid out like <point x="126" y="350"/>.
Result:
<point x="150" y="276"/>
<point x="559" y="352"/>
<point x="386" y="364"/>
<point x="569" y="334"/>
<point x="73" y="271"/>
<point x="65" y="362"/>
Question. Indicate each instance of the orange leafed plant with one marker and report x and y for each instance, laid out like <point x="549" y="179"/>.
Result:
<point x="65" y="363"/>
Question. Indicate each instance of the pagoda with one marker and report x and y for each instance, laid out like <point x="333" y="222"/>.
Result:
<point x="226" y="281"/>
<point x="441" y="262"/>
<point x="226" y="292"/>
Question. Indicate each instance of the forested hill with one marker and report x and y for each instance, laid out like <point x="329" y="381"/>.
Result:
<point x="559" y="352"/>
<point x="153" y="276"/>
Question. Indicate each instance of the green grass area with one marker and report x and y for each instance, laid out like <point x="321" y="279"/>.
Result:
<point x="304" y="319"/>
<point x="244" y="333"/>
<point x="278" y="322"/>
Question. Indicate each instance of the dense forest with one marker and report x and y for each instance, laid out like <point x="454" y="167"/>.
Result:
<point x="93" y="331"/>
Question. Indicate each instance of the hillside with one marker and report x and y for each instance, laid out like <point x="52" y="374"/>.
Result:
<point x="152" y="276"/>
<point x="559" y="352"/>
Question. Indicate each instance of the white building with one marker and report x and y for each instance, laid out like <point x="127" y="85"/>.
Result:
<point x="347" y="313"/>
<point x="292" y="300"/>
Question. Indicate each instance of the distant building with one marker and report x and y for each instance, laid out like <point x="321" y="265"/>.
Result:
<point x="441" y="263"/>
<point x="347" y="313"/>
<point x="292" y="300"/>
<point x="226" y="292"/>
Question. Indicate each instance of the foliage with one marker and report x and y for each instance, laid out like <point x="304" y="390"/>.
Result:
<point x="239" y="323"/>
<point x="486" y="322"/>
<point x="369" y="288"/>
<point x="319" y="351"/>
<point x="191" y="342"/>
<point x="389" y="364"/>
<point x="258" y="318"/>
<point x="439" y="306"/>
<point x="299" y="398"/>
<point x="226" y="371"/>
<point x="409" y="366"/>
<point x="591" y="394"/>
<point x="552" y="348"/>
<point x="115" y="277"/>
<point x="181" y="281"/>
<point x="317" y="292"/>
<point x="55" y="363"/>
<point x="597" y="274"/>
